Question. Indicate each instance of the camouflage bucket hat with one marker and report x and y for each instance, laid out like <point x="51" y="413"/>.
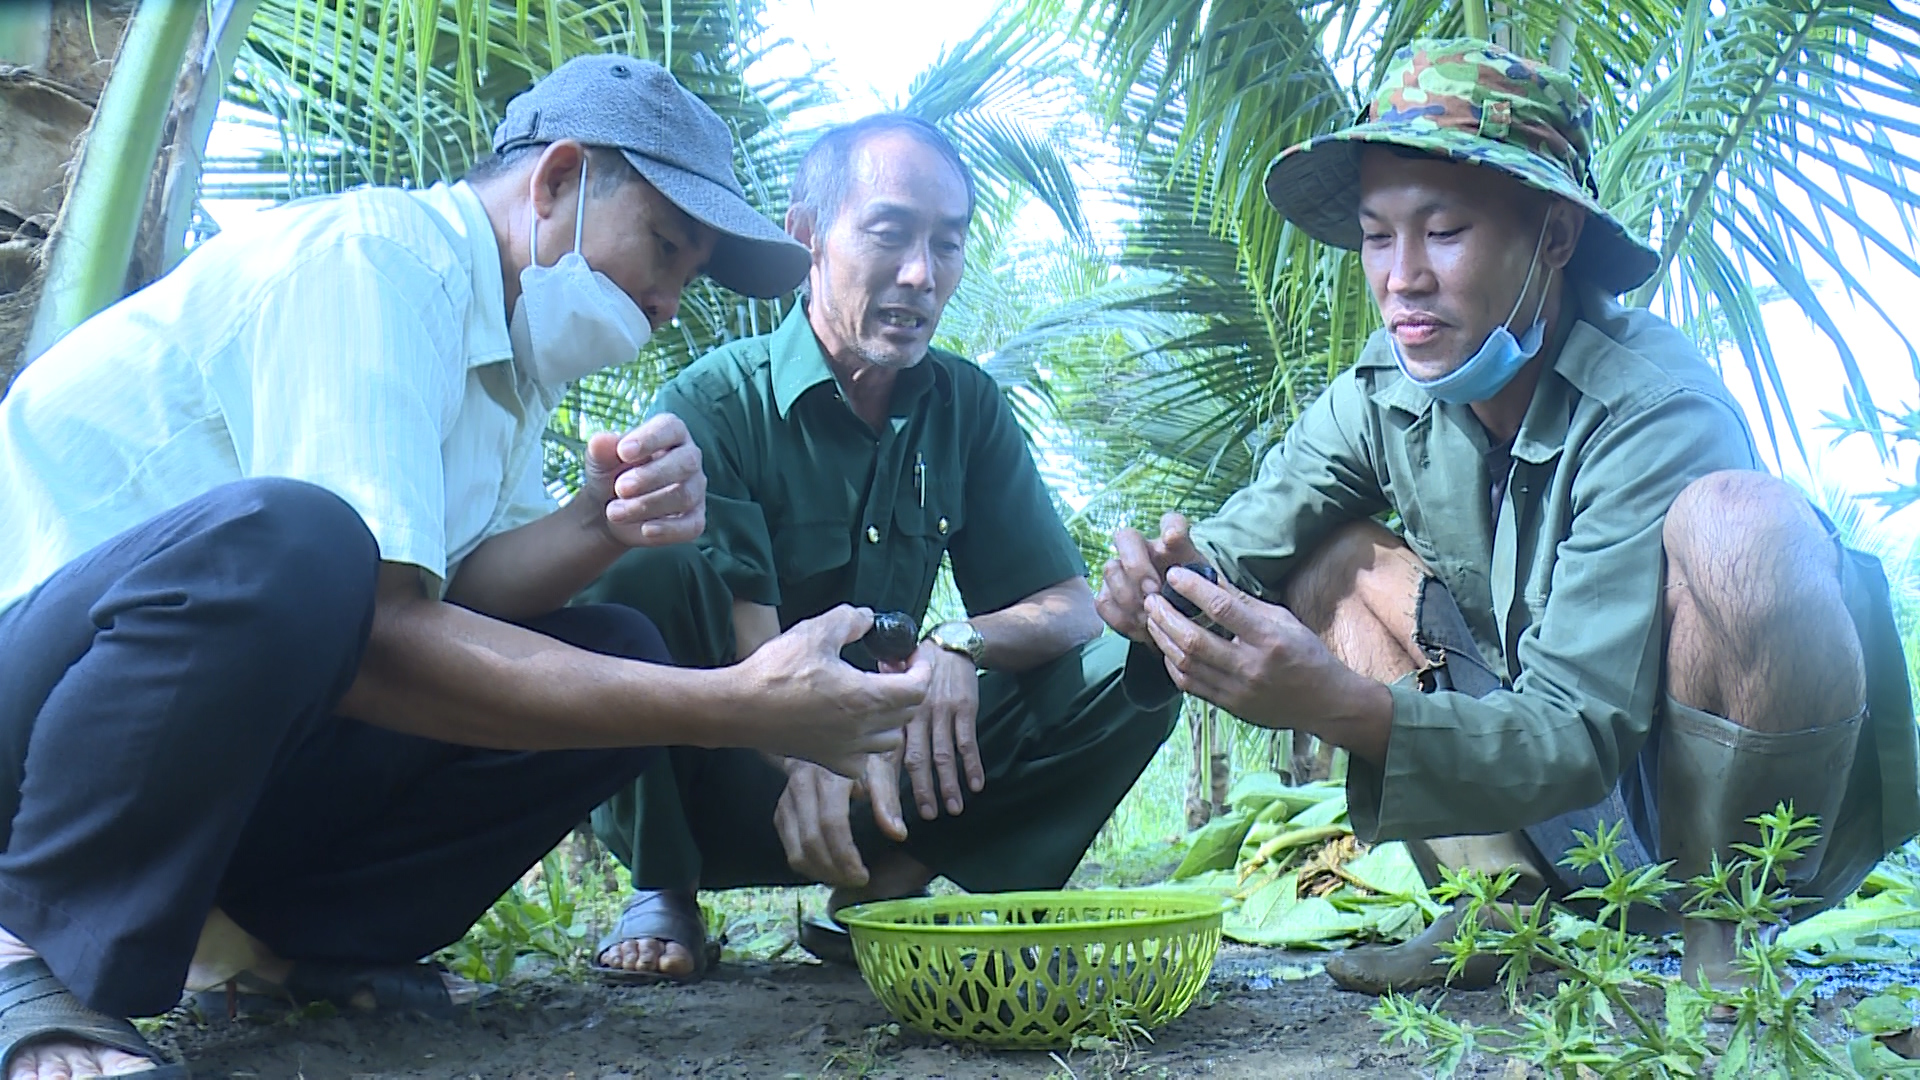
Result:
<point x="1473" y="102"/>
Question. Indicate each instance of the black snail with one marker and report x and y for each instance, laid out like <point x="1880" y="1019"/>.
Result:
<point x="1187" y="607"/>
<point x="892" y="638"/>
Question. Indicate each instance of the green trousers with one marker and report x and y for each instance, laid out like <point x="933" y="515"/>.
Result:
<point x="1060" y="745"/>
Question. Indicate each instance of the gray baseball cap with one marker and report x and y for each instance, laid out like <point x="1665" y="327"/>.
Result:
<point x="675" y="142"/>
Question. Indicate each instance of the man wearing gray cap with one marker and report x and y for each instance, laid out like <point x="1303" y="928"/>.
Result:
<point x="292" y="689"/>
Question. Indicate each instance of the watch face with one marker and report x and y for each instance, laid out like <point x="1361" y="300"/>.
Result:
<point x="959" y="637"/>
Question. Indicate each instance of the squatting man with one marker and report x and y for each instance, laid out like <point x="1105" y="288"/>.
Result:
<point x="1598" y="609"/>
<point x="293" y="688"/>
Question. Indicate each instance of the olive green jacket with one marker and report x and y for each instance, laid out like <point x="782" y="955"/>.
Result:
<point x="1564" y="598"/>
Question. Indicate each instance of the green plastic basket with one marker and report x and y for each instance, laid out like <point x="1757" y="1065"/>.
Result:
<point x="1036" y="969"/>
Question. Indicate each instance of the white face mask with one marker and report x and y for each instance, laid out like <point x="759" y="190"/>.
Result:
<point x="572" y="320"/>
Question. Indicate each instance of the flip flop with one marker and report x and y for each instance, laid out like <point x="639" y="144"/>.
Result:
<point x="35" y="1007"/>
<point x="660" y="915"/>
<point x="348" y="987"/>
<point x="827" y="939"/>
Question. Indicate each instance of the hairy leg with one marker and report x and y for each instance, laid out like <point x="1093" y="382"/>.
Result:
<point x="1759" y="637"/>
<point x="1357" y="591"/>
<point x="1757" y="630"/>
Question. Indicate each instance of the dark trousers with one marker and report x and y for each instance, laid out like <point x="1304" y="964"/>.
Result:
<point x="1060" y="744"/>
<point x="167" y="723"/>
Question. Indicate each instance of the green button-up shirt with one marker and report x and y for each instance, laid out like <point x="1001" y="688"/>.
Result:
<point x="808" y="507"/>
<point x="1563" y="597"/>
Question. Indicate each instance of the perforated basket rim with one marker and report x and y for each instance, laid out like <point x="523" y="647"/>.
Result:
<point x="887" y="917"/>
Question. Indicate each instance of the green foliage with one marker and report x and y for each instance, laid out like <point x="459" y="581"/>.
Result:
<point x="1903" y="428"/>
<point x="544" y="918"/>
<point x="1745" y="139"/>
<point x="1879" y="924"/>
<point x="1612" y="1015"/>
<point x="1288" y="855"/>
<point x="1882" y="1019"/>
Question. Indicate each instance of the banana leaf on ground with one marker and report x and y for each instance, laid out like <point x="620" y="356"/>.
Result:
<point x="1288" y="855"/>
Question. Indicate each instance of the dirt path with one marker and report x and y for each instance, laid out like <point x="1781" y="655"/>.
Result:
<point x="805" y="1020"/>
<point x="1265" y="1014"/>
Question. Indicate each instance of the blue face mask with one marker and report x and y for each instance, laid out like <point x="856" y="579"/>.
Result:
<point x="1499" y="358"/>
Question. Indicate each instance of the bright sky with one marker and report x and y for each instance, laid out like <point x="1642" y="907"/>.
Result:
<point x="870" y="54"/>
<point x="869" y="51"/>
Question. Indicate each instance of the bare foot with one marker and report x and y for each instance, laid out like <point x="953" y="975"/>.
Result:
<point x="669" y="958"/>
<point x="62" y="1060"/>
<point x="226" y="951"/>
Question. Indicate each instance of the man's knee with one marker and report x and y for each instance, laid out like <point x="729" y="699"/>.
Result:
<point x="1360" y="562"/>
<point x="1748" y="551"/>
<point x="1358" y="590"/>
<point x="302" y="550"/>
<point x="1759" y="628"/>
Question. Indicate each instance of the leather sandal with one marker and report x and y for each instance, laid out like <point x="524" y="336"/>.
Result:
<point x="826" y="938"/>
<point x="35" y="1007"/>
<point x="665" y="915"/>
<point x="348" y="987"/>
<point x="1414" y="964"/>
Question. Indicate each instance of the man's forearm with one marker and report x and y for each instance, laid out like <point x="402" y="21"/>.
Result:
<point x="1039" y="628"/>
<point x="1363" y="723"/>
<point x="446" y="673"/>
<point x="538" y="567"/>
<point x="753" y="626"/>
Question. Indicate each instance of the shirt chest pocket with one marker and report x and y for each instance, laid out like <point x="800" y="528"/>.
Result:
<point x="925" y="531"/>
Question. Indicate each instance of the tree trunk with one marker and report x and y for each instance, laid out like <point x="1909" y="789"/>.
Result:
<point x="55" y="56"/>
<point x="104" y="228"/>
<point x="1207" y="782"/>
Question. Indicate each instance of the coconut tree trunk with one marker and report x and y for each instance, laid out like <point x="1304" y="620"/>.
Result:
<point x="93" y="239"/>
<point x="55" y="56"/>
<point x="110" y="222"/>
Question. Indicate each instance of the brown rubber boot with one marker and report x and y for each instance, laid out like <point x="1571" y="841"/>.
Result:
<point x="1422" y="961"/>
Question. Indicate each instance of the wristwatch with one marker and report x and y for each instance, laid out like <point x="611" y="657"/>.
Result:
<point x="960" y="637"/>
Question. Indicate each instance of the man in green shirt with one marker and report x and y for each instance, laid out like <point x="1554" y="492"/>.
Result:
<point x="844" y="458"/>
<point x="1598" y="609"/>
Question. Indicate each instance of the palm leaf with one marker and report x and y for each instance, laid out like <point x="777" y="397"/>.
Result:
<point x="1759" y="142"/>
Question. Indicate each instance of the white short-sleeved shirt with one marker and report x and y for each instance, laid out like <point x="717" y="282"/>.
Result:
<point x="356" y="341"/>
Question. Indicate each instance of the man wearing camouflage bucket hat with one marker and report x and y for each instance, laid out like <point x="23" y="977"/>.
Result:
<point x="1598" y="608"/>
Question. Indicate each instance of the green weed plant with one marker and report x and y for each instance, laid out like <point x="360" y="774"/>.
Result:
<point x="1610" y="1014"/>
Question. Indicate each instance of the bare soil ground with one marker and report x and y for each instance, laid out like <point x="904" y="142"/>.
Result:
<point x="1258" y="1018"/>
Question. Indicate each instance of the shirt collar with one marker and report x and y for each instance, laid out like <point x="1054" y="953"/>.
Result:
<point x="1543" y="430"/>
<point x="462" y="215"/>
<point x="1392" y="390"/>
<point x="800" y="364"/>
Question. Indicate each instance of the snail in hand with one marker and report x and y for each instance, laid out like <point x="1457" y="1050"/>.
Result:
<point x="893" y="637"/>
<point x="1188" y="608"/>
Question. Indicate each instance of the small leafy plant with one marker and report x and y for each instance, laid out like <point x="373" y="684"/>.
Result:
<point x="541" y="916"/>
<point x="1609" y="1014"/>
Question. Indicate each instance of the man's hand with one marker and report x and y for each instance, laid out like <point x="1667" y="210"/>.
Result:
<point x="650" y="482"/>
<point x="814" y="818"/>
<point x="940" y="737"/>
<point x="1135" y="572"/>
<point x="817" y="707"/>
<point x="1275" y="672"/>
